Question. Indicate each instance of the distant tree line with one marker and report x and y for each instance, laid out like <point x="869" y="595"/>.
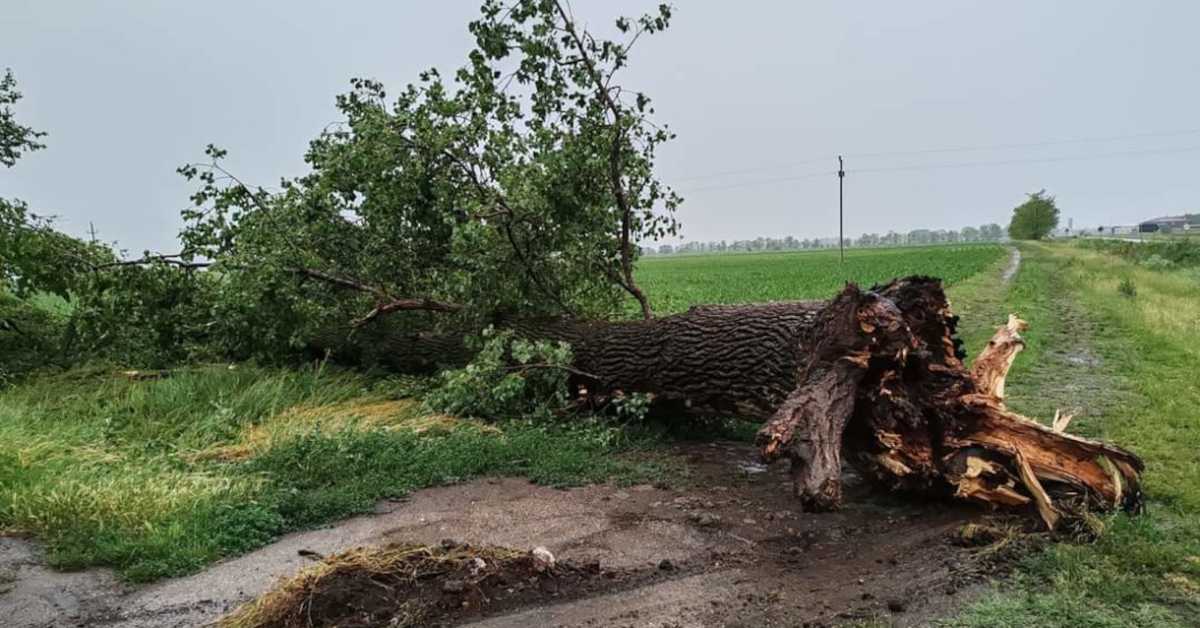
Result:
<point x="984" y="233"/>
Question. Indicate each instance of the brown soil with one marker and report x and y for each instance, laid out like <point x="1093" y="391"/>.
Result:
<point x="726" y="548"/>
<point x="401" y="586"/>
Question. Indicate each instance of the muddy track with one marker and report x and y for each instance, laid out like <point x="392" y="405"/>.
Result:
<point x="736" y="552"/>
<point x="1014" y="264"/>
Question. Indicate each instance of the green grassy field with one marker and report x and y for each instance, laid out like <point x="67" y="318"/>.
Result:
<point x="162" y="477"/>
<point x="676" y="282"/>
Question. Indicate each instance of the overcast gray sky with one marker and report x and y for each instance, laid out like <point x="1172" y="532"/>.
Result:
<point x="129" y="90"/>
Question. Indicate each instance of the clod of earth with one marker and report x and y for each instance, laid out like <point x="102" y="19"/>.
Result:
<point x="875" y="376"/>
<point x="409" y="585"/>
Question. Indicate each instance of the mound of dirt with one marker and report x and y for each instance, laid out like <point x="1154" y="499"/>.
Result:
<point x="400" y="585"/>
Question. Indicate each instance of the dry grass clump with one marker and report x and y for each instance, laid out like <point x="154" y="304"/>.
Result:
<point x="353" y="415"/>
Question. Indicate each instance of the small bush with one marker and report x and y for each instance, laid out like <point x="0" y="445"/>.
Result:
<point x="631" y="408"/>
<point x="1127" y="288"/>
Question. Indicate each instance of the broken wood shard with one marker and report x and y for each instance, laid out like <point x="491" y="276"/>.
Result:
<point x="991" y="367"/>
<point x="1061" y="421"/>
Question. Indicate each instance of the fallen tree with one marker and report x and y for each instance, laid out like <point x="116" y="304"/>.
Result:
<point x="873" y="376"/>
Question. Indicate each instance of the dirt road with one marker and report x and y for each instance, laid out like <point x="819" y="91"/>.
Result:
<point x="725" y="549"/>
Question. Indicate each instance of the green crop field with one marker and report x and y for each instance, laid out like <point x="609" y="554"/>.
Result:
<point x="677" y="282"/>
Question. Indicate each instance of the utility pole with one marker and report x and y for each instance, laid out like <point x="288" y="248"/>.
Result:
<point x="841" y="221"/>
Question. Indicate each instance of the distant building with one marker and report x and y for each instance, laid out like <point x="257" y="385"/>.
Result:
<point x="1170" y="223"/>
<point x="1097" y="231"/>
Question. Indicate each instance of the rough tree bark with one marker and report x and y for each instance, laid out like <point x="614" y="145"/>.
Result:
<point x="876" y="376"/>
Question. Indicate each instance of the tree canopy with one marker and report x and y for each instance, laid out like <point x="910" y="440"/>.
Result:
<point x="522" y="182"/>
<point x="1035" y="218"/>
<point x="15" y="138"/>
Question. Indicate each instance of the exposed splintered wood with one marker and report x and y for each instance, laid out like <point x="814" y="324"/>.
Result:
<point x="873" y="377"/>
<point x="1061" y="421"/>
<point x="991" y="367"/>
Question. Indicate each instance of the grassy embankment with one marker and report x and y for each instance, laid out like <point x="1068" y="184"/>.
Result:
<point x="1132" y="364"/>
<point x="161" y="477"/>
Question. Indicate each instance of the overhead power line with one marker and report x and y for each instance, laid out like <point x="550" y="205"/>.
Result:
<point x="1077" y="140"/>
<point x="742" y="184"/>
<point x="1035" y="160"/>
<point x="940" y="166"/>
<point x="715" y="175"/>
<point x="924" y="151"/>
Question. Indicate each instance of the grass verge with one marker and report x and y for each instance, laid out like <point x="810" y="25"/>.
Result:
<point x="1143" y="351"/>
<point x="159" y="478"/>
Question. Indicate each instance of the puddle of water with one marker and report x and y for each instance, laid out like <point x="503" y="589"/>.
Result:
<point x="752" y="467"/>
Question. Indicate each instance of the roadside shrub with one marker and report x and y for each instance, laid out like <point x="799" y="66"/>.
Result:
<point x="510" y="377"/>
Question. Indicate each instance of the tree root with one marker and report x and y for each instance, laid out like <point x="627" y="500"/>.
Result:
<point x="885" y="386"/>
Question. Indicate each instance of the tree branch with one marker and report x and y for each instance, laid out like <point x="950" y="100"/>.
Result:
<point x="172" y="259"/>
<point x="406" y="305"/>
<point x="562" y="367"/>
<point x="618" y="189"/>
<point x="343" y="282"/>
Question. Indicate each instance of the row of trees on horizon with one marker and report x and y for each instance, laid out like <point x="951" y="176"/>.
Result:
<point x="990" y="232"/>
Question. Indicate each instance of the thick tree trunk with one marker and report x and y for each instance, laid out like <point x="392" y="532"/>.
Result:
<point x="709" y="361"/>
<point x="873" y="375"/>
